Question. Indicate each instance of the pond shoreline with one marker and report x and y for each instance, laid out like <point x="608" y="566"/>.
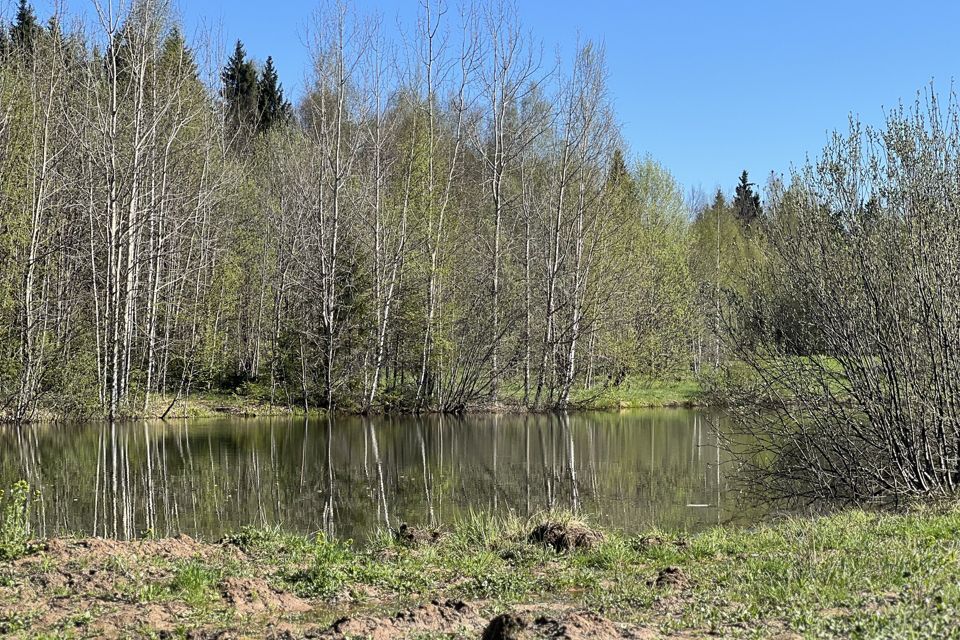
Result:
<point x="653" y="395"/>
<point x="851" y="573"/>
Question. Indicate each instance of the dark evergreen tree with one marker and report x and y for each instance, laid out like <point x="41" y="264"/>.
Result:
<point x="618" y="168"/>
<point x="746" y="203"/>
<point x="175" y="53"/>
<point x="273" y="108"/>
<point x="25" y="29"/>
<point x="719" y="200"/>
<point x="240" y="91"/>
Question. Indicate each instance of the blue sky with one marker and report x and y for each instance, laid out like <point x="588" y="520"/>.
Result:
<point x="706" y="88"/>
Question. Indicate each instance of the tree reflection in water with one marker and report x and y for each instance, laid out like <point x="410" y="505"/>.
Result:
<point x="349" y="476"/>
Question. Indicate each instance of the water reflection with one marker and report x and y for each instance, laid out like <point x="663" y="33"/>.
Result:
<point x="349" y="476"/>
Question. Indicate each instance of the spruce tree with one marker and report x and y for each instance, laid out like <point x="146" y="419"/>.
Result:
<point x="175" y="53"/>
<point x="618" y="168"/>
<point x="273" y="108"/>
<point x="240" y="91"/>
<point x="746" y="203"/>
<point x="25" y="29"/>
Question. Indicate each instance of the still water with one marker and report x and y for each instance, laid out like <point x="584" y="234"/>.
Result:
<point x="350" y="476"/>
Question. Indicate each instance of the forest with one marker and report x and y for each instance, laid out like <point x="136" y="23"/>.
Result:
<point x="452" y="221"/>
<point x="431" y="267"/>
<point x="448" y="222"/>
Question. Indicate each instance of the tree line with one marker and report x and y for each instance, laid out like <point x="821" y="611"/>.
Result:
<point x="442" y="221"/>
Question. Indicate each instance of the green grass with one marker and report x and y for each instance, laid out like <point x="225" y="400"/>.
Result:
<point x="243" y="402"/>
<point x="195" y="582"/>
<point x="852" y="574"/>
<point x="633" y="393"/>
<point x="253" y="400"/>
<point x="637" y="393"/>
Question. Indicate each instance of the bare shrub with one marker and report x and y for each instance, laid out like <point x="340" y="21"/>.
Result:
<point x="857" y="301"/>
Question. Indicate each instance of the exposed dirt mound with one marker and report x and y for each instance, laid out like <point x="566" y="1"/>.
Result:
<point x="459" y="619"/>
<point x="115" y="620"/>
<point x="572" y="536"/>
<point x="94" y="587"/>
<point x="414" y="537"/>
<point x="670" y="577"/>
<point x="648" y="541"/>
<point x="508" y="626"/>
<point x="252" y="596"/>
<point x="99" y="568"/>
<point x="573" y="625"/>
<point x="179" y="548"/>
<point x="106" y="588"/>
<point x="582" y="626"/>
<point x="450" y="617"/>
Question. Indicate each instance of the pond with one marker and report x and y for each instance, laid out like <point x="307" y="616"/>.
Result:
<point x="350" y="476"/>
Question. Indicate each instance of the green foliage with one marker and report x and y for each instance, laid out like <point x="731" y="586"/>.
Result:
<point x="332" y="564"/>
<point x="4" y="42"/>
<point x="229" y="282"/>
<point x="647" y="326"/>
<point x="194" y="582"/>
<point x="14" y="521"/>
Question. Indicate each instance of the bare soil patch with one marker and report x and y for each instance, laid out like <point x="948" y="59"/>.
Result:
<point x="107" y="588"/>
<point x="570" y="536"/>
<point x="571" y="625"/>
<point x="253" y="596"/>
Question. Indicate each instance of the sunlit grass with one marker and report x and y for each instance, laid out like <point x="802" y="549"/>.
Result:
<point x="195" y="582"/>
<point x="854" y="573"/>
<point x="639" y="393"/>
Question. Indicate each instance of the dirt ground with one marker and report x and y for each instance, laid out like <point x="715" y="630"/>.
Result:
<point x="110" y="589"/>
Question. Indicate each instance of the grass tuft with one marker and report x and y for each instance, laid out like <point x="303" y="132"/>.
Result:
<point x="195" y="582"/>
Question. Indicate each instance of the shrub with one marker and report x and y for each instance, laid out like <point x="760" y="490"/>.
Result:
<point x="14" y="521"/>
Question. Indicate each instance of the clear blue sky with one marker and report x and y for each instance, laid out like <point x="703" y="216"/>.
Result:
<point x="706" y="88"/>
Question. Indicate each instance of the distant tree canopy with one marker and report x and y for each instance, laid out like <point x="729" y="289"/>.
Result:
<point x="618" y="173"/>
<point x="432" y="228"/>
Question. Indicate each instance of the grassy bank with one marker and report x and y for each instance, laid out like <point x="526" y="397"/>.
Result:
<point x="643" y="394"/>
<point x="634" y="393"/>
<point x="254" y="402"/>
<point x="854" y="574"/>
<point x="210" y="404"/>
<point x="217" y="404"/>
